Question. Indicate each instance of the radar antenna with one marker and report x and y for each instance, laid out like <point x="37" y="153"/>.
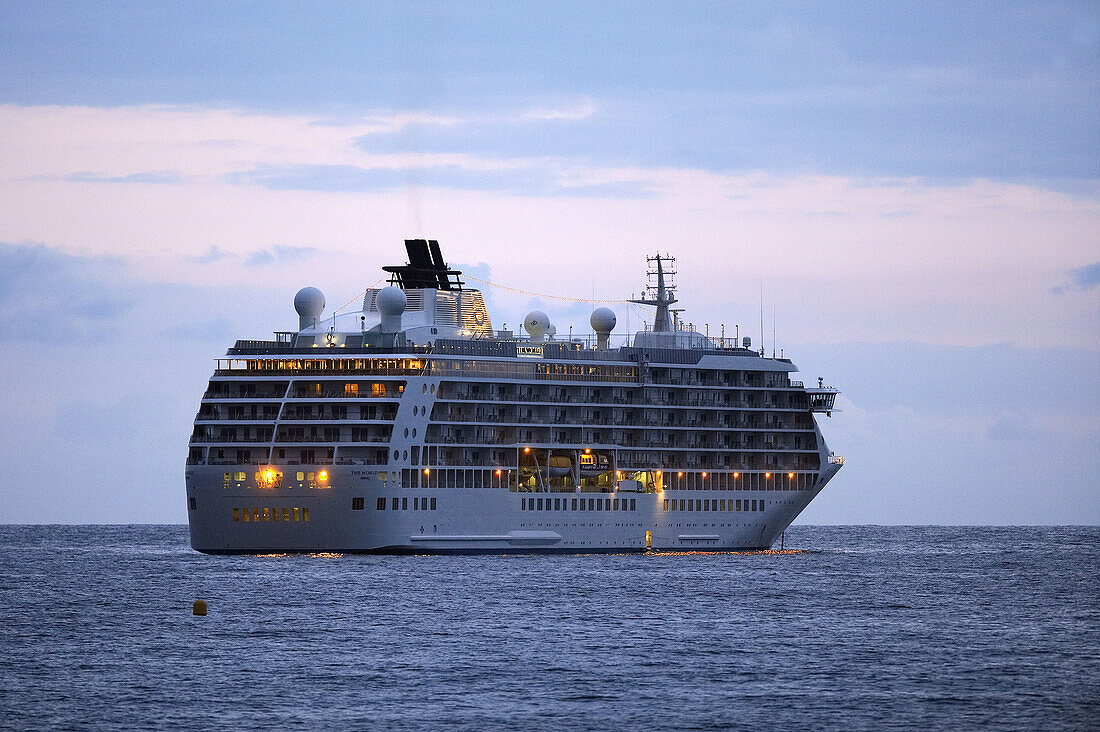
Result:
<point x="660" y="290"/>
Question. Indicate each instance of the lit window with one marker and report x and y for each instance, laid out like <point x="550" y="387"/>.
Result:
<point x="301" y="475"/>
<point x="236" y="514"/>
<point x="666" y="504"/>
<point x="266" y="516"/>
<point x="286" y="514"/>
<point x="296" y="517"/>
<point x="305" y="513"/>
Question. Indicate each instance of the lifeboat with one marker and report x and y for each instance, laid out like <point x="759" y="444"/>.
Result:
<point x="559" y="467"/>
<point x="593" y="465"/>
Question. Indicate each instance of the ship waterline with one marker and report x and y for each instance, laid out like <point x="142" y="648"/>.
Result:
<point x="412" y="426"/>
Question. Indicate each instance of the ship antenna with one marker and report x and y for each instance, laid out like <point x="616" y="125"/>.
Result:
<point x="661" y="290"/>
<point x="762" y="317"/>
<point x="773" y="330"/>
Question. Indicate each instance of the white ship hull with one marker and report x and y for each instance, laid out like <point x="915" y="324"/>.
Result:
<point x="477" y="521"/>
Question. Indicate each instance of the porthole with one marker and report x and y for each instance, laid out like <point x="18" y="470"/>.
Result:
<point x="433" y="388"/>
<point x="406" y="432"/>
<point x="425" y="388"/>
<point x="414" y="432"/>
<point x="396" y="454"/>
<point x="406" y="455"/>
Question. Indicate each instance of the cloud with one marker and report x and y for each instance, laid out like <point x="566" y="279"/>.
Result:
<point x="48" y="295"/>
<point x="279" y="254"/>
<point x="1082" y="279"/>
<point x="1011" y="427"/>
<point x="152" y="176"/>
<point x="528" y="179"/>
<point x="211" y="255"/>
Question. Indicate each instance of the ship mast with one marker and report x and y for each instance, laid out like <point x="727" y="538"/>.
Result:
<point x="660" y="292"/>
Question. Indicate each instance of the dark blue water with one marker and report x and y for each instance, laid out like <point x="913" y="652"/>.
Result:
<point x="869" y="627"/>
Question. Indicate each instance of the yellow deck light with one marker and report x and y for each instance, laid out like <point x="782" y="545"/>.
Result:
<point x="322" y="476"/>
<point x="527" y="449"/>
<point x="767" y="475"/>
<point x="736" y="475"/>
<point x="790" y="475"/>
<point x="680" y="474"/>
<point x="427" y="471"/>
<point x="704" y="474"/>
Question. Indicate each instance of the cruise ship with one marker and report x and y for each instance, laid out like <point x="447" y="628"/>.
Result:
<point x="410" y="425"/>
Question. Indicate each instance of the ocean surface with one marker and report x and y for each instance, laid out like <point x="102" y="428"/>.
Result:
<point x="863" y="627"/>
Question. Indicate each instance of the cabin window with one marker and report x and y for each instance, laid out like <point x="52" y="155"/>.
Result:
<point x="381" y="504"/>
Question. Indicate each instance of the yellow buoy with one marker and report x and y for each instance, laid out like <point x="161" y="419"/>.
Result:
<point x="199" y="608"/>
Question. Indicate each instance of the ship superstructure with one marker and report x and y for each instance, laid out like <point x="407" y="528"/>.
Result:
<point x="411" y="425"/>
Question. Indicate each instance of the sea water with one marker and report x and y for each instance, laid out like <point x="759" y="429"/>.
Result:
<point x="860" y="627"/>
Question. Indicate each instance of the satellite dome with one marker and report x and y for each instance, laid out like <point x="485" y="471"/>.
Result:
<point x="603" y="320"/>
<point x="536" y="324"/>
<point x="391" y="301"/>
<point x="309" y="302"/>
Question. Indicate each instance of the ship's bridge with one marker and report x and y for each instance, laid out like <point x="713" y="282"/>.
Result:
<point x="822" y="399"/>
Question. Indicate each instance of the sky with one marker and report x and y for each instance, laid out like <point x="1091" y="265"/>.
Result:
<point x="912" y="190"/>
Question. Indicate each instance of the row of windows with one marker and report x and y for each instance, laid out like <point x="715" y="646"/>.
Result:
<point x="578" y="504"/>
<point x="666" y="480"/>
<point x="257" y="515"/>
<point x="397" y="504"/>
<point x="723" y="481"/>
<point x="716" y="504"/>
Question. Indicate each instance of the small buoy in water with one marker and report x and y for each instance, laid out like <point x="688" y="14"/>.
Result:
<point x="199" y="608"/>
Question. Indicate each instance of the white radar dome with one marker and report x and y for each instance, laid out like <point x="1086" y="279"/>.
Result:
<point x="603" y="320"/>
<point x="391" y="301"/>
<point x="537" y="323"/>
<point x="309" y="303"/>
